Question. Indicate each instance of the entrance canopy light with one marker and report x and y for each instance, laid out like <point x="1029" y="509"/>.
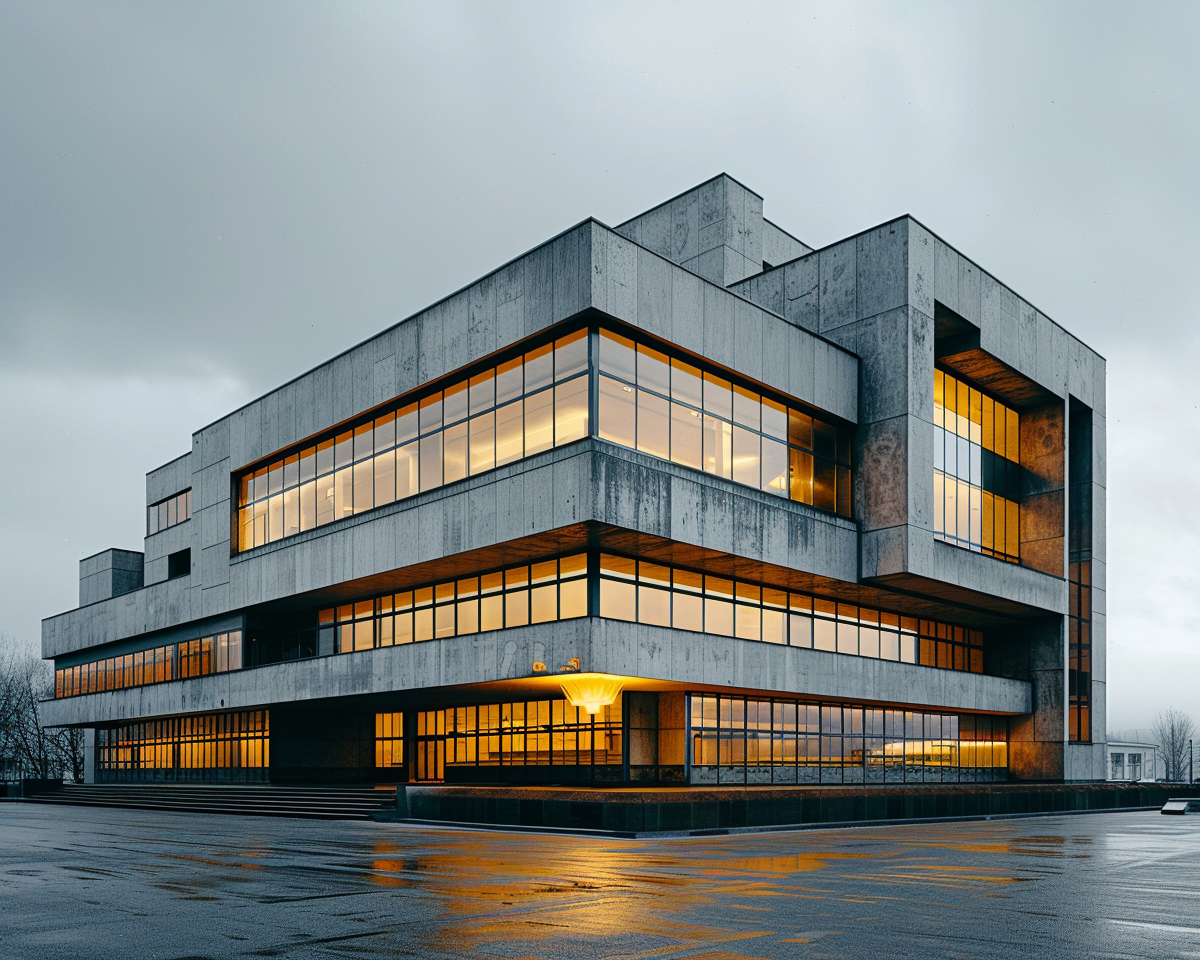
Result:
<point x="590" y="690"/>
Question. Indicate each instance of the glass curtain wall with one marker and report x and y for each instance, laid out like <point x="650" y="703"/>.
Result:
<point x="1079" y="575"/>
<point x="664" y="406"/>
<point x="976" y="470"/>
<point x="744" y="740"/>
<point x="672" y="597"/>
<point x="1079" y="666"/>
<point x="215" y="747"/>
<point x="512" y="597"/>
<point x="637" y="591"/>
<point x="528" y="404"/>
<point x="470" y="743"/>
<point x="647" y="399"/>
<point x="558" y="589"/>
<point x="173" y="661"/>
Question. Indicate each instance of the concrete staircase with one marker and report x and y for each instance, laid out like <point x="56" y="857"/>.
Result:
<point x="316" y="803"/>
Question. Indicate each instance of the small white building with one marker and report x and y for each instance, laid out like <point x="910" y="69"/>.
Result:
<point x="1132" y="761"/>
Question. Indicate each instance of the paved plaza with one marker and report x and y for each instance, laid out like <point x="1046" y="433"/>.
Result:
<point x="80" y="882"/>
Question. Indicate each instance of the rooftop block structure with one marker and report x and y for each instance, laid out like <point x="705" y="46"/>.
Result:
<point x="684" y="501"/>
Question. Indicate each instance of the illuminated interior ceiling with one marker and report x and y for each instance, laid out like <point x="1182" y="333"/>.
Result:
<point x="957" y="346"/>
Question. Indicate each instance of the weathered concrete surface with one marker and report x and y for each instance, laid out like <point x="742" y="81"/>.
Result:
<point x="650" y="810"/>
<point x="172" y="885"/>
<point x="851" y="329"/>
<point x="110" y="573"/>
<point x="880" y="294"/>
<point x="590" y="267"/>
<point x="605" y="646"/>
<point x="588" y="481"/>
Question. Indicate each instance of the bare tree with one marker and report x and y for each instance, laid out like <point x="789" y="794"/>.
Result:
<point x="1173" y="729"/>
<point x="38" y="751"/>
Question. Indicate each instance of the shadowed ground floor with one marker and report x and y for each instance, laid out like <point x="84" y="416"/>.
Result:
<point x="81" y="882"/>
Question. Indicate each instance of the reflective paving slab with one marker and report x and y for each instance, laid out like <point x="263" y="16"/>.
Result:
<point x="85" y="882"/>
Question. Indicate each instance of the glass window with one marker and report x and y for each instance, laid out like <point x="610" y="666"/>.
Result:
<point x="718" y="447"/>
<point x="618" y="412"/>
<point x="570" y="411"/>
<point x="454" y="452"/>
<point x="718" y="396"/>
<point x="653" y="425"/>
<point x="539" y="368"/>
<point x="687" y="436"/>
<point x="510" y="380"/>
<point x="686" y="384"/>
<point x="654" y="606"/>
<point x="385" y="432"/>
<point x="407" y="423"/>
<point x="178" y="507"/>
<point x="482" y="430"/>
<point x="973" y="476"/>
<point x="570" y="355"/>
<point x="539" y="420"/>
<point x="653" y="370"/>
<point x="324" y="457"/>
<point x="747" y="408"/>
<point x="343" y="451"/>
<point x="746" y="456"/>
<point x="618" y="356"/>
<point x="454" y="403"/>
<point x="483" y="392"/>
<point x="430" y="417"/>
<point x="647" y="400"/>
<point x="824" y="485"/>
<point x="510" y="433"/>
<point x="407" y="473"/>
<point x="431" y="461"/>
<point x="385" y="477"/>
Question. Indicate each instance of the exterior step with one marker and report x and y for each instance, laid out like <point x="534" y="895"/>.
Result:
<point x="322" y="803"/>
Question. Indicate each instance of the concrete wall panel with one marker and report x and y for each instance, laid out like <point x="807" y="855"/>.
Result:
<point x="624" y="649"/>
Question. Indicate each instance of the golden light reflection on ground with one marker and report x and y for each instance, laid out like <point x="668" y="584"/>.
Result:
<point x="1105" y="885"/>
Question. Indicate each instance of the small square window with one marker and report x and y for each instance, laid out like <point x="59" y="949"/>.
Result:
<point x="179" y="564"/>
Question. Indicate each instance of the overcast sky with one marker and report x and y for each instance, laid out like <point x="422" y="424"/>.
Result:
<point x="198" y="202"/>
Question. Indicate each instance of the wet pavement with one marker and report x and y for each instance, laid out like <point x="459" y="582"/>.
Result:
<point x="82" y="882"/>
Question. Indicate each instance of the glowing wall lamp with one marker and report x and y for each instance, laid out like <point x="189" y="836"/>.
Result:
<point x="590" y="690"/>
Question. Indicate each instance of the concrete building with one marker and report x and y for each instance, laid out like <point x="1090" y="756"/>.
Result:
<point x="1129" y="760"/>
<point x="681" y="501"/>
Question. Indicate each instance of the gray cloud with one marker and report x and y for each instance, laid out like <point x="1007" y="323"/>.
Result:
<point x="197" y="203"/>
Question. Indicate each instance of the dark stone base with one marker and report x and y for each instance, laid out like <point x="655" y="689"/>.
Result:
<point x="633" y="810"/>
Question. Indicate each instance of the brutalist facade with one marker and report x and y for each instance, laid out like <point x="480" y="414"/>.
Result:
<point x="680" y="502"/>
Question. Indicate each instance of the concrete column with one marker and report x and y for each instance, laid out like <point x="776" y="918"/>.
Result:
<point x="1036" y="741"/>
<point x="657" y="736"/>
<point x="1043" y="494"/>
<point x="643" y="735"/>
<point x="89" y="755"/>
<point x="672" y="736"/>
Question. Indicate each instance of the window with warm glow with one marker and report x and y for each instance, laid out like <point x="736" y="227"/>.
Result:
<point x="526" y="733"/>
<point x="528" y="404"/>
<point x="668" y="407"/>
<point x="204" y="747"/>
<point x="173" y="661"/>
<point x="652" y="593"/>
<point x="389" y="739"/>
<point x="659" y="403"/>
<point x="745" y="740"/>
<point x="1079" y="653"/>
<point x="976" y="469"/>
<point x="513" y="597"/>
